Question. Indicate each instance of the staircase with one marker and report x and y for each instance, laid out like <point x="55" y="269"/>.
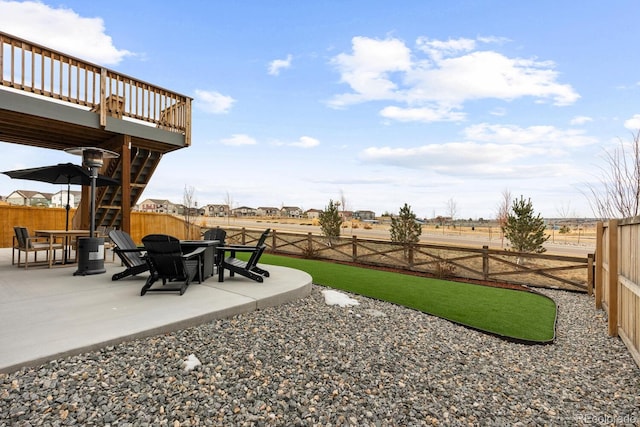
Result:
<point x="109" y="199"/>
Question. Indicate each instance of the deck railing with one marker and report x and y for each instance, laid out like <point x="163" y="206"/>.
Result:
<point x="36" y="69"/>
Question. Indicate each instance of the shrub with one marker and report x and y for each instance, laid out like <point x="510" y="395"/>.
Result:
<point x="445" y="269"/>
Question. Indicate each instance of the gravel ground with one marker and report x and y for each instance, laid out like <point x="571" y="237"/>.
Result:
<point x="308" y="363"/>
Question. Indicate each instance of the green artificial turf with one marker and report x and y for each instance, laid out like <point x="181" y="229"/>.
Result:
<point x="513" y="314"/>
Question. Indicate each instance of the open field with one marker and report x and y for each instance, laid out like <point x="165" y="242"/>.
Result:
<point x="575" y="243"/>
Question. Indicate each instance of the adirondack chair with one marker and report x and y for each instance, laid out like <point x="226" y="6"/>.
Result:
<point x="216" y="234"/>
<point x="129" y="253"/>
<point x="248" y="268"/>
<point x="168" y="263"/>
<point x="244" y="268"/>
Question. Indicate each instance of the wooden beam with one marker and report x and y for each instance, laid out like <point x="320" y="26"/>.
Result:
<point x="126" y="183"/>
<point x="613" y="278"/>
<point x="599" y="263"/>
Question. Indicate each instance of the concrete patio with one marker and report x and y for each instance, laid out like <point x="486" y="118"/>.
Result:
<point x="50" y="313"/>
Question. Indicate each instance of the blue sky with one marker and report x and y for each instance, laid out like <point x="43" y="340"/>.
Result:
<point x="384" y="103"/>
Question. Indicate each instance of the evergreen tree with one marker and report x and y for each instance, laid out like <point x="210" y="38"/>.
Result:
<point x="404" y="227"/>
<point x="330" y="221"/>
<point x="524" y="230"/>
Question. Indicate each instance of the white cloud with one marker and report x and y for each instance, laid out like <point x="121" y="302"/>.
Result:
<point x="498" y="112"/>
<point x="439" y="48"/>
<point x="306" y="142"/>
<point x="486" y="74"/>
<point x="540" y="135"/>
<point x="424" y="114"/>
<point x="445" y="156"/>
<point x="213" y="102"/>
<point x="303" y="142"/>
<point x="238" y="140"/>
<point x="443" y="73"/>
<point x="368" y="70"/>
<point x="61" y="29"/>
<point x="279" y="64"/>
<point x="471" y="160"/>
<point x="489" y="151"/>
<point x="633" y="123"/>
<point x="580" y="120"/>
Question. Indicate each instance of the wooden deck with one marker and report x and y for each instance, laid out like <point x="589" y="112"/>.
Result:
<point x="52" y="100"/>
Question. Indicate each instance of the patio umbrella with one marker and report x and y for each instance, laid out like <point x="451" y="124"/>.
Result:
<point x="62" y="173"/>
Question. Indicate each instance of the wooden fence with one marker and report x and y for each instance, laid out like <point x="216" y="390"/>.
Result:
<point x="551" y="271"/>
<point x="617" y="279"/>
<point x="541" y="270"/>
<point x="43" y="218"/>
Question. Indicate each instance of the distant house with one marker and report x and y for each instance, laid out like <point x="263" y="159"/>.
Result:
<point x="158" y="206"/>
<point x="192" y="211"/>
<point x="313" y="213"/>
<point x="60" y="199"/>
<point x="290" y="212"/>
<point x="345" y="215"/>
<point x="364" y="215"/>
<point x="29" y="198"/>
<point x="216" y="210"/>
<point x="264" y="211"/>
<point x="243" y="211"/>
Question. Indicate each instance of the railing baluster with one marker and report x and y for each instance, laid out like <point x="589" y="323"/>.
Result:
<point x="142" y="101"/>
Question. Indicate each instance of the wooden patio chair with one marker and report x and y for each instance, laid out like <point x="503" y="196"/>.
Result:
<point x="129" y="253"/>
<point x="168" y="263"/>
<point x="23" y="242"/>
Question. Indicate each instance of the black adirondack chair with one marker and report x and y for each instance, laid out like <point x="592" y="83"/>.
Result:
<point x="168" y="263"/>
<point x="244" y="268"/>
<point x="216" y="234"/>
<point x="130" y="254"/>
<point x="248" y="268"/>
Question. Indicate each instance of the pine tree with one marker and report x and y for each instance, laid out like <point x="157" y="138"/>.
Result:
<point x="404" y="227"/>
<point x="524" y="230"/>
<point x="330" y="221"/>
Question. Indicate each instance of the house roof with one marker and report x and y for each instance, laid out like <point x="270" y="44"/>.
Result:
<point x="158" y="201"/>
<point x="28" y="194"/>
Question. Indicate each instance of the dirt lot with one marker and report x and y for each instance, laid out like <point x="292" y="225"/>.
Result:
<point x="577" y="242"/>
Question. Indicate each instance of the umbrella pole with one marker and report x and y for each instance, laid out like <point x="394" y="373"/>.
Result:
<point x="66" y="224"/>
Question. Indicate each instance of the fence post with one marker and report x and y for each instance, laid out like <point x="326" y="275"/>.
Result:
<point x="599" y="263"/>
<point x="273" y="240"/>
<point x="613" y="278"/>
<point x="354" y="248"/>
<point x="410" y="255"/>
<point x="485" y="262"/>
<point x="243" y="238"/>
<point x="310" y="244"/>
<point x="590" y="274"/>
